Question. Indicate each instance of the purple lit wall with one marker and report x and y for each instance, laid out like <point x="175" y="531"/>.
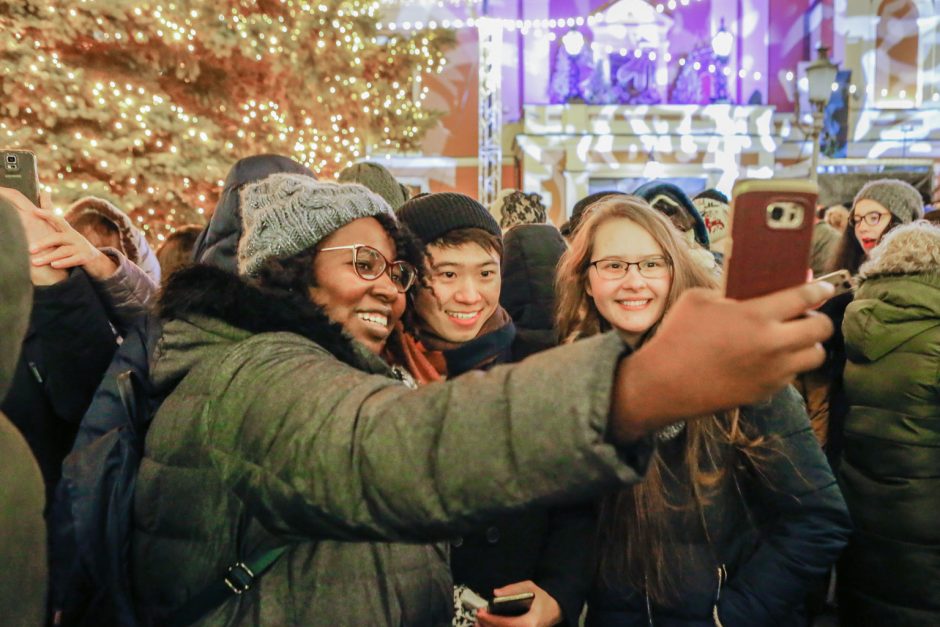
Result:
<point x="692" y="26"/>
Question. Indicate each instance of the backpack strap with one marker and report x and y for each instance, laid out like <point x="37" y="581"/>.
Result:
<point x="239" y="577"/>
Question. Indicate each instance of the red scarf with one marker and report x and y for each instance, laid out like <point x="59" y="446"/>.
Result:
<point x="424" y="358"/>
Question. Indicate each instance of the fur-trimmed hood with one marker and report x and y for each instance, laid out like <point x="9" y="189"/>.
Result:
<point x="203" y="308"/>
<point x="133" y="240"/>
<point x="899" y="293"/>
<point x="908" y="249"/>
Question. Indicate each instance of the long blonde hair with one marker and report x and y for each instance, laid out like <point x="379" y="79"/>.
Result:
<point x="634" y="527"/>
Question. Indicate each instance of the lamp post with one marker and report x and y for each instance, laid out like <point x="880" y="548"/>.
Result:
<point x="721" y="46"/>
<point x="573" y="43"/>
<point x="820" y="75"/>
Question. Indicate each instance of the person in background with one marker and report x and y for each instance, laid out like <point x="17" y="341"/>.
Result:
<point x="739" y="512"/>
<point x="837" y="216"/>
<point x="23" y="538"/>
<point x="376" y="178"/>
<point x="513" y="207"/>
<point x="889" y="572"/>
<point x="670" y="200"/>
<point x="285" y="427"/>
<point x="580" y="208"/>
<point x="460" y="326"/>
<point x="715" y="209"/>
<point x="68" y="343"/>
<point x="176" y="251"/>
<point x="108" y="228"/>
<point x="823" y="244"/>
<point x="530" y="256"/>
<point x="878" y="207"/>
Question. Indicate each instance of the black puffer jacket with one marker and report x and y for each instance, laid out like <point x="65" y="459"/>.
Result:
<point x="530" y="255"/>
<point x="67" y="348"/>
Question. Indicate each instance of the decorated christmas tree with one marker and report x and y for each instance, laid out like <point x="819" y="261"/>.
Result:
<point x="149" y="103"/>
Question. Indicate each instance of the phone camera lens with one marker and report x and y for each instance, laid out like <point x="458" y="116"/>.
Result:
<point x="11" y="158"/>
<point x="776" y="214"/>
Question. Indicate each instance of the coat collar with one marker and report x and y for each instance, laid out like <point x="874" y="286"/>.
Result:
<point x="205" y="291"/>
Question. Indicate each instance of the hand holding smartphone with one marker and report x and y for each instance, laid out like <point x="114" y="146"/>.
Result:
<point x="511" y="605"/>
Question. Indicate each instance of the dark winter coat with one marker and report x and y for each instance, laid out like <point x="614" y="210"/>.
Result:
<point x="530" y="255"/>
<point x="22" y="528"/>
<point x="776" y="530"/>
<point x="544" y="546"/>
<point x="67" y="348"/>
<point x="280" y="430"/>
<point x="890" y="472"/>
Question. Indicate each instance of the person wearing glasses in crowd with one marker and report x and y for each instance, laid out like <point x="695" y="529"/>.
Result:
<point x="459" y="325"/>
<point x="283" y="426"/>
<point x="739" y="512"/>
<point x="878" y="207"/>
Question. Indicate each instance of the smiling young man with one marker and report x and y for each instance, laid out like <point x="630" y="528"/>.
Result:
<point x="460" y="326"/>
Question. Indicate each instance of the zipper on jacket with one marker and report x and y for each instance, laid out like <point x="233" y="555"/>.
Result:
<point x="722" y="577"/>
<point x="33" y="368"/>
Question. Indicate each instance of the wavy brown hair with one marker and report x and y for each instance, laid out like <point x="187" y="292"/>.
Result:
<point x="636" y="525"/>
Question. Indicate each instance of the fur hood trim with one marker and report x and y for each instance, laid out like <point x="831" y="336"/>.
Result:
<point x="208" y="291"/>
<point x="133" y="240"/>
<point x="908" y="249"/>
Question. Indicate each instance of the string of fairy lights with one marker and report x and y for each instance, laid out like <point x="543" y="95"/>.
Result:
<point x="131" y="101"/>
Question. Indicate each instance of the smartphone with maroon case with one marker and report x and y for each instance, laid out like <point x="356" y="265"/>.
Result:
<point x="771" y="233"/>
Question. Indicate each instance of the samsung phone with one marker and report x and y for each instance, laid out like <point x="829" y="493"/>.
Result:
<point x="20" y="172"/>
<point x="511" y="605"/>
<point x="771" y="234"/>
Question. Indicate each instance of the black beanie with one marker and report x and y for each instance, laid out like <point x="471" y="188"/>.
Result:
<point x="431" y="216"/>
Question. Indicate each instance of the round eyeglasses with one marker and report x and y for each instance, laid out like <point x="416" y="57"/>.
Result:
<point x="656" y="267"/>
<point x="872" y="218"/>
<point x="370" y="264"/>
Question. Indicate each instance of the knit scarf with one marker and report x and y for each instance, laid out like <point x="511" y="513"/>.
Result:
<point x="432" y="357"/>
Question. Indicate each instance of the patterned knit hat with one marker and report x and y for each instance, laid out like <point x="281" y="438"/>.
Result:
<point x="901" y="199"/>
<point x="431" y="216"/>
<point x="285" y="214"/>
<point x="378" y="179"/>
<point x="715" y="211"/>
<point x="513" y="207"/>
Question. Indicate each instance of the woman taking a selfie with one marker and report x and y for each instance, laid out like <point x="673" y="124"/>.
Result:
<point x="739" y="513"/>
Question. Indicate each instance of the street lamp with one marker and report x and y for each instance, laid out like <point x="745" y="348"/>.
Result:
<point x="721" y="46"/>
<point x="573" y="43"/>
<point x="820" y="76"/>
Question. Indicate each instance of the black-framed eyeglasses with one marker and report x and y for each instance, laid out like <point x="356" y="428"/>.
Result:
<point x="653" y="267"/>
<point x="370" y="264"/>
<point x="872" y="218"/>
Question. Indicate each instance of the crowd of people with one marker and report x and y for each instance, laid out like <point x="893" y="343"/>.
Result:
<point x="337" y="404"/>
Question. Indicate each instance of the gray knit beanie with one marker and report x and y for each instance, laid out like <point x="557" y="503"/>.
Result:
<point x="285" y="214"/>
<point x="900" y="198"/>
<point x="378" y="179"/>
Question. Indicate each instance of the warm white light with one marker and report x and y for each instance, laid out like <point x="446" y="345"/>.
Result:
<point x="573" y="41"/>
<point x="722" y="43"/>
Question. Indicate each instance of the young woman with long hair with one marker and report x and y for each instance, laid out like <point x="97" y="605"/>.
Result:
<point x="739" y="513"/>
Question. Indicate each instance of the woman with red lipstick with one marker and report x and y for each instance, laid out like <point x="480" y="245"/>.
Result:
<point x="879" y="207"/>
<point x="739" y="512"/>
